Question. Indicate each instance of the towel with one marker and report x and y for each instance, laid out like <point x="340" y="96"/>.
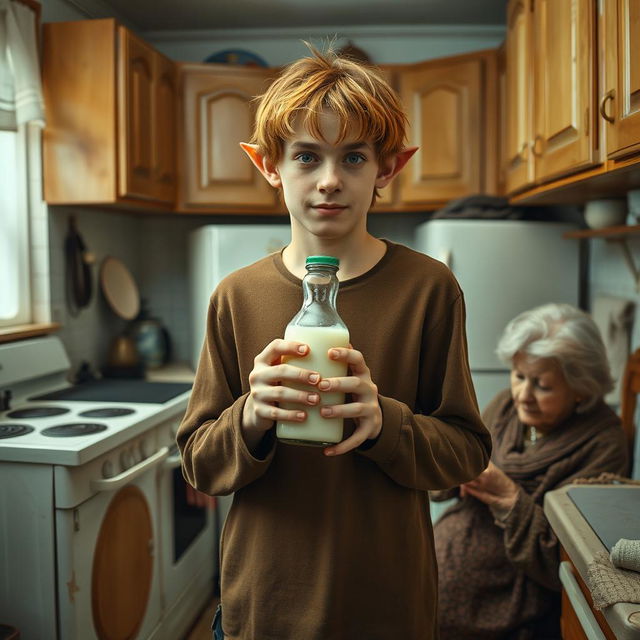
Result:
<point x="20" y="87"/>
<point x="614" y="318"/>
<point x="625" y="554"/>
<point x="609" y="585"/>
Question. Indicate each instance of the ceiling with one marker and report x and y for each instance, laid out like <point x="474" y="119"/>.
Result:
<point x="162" y="15"/>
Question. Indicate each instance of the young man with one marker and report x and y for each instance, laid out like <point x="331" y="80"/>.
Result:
<point x="334" y="543"/>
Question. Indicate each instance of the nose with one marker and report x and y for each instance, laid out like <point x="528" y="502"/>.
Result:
<point x="329" y="180"/>
<point x="526" y="391"/>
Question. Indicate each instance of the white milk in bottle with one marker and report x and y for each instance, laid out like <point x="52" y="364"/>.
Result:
<point x="318" y="325"/>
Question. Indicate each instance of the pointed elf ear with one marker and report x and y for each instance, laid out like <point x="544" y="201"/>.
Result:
<point x="262" y="164"/>
<point x="393" y="166"/>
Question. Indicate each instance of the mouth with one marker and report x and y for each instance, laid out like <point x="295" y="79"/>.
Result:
<point x="329" y="208"/>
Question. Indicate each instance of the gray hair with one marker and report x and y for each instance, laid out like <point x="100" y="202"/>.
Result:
<point x="571" y="338"/>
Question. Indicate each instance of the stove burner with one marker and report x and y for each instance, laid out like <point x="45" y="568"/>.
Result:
<point x="106" y="412"/>
<point x="14" y="430"/>
<point x="37" y="412"/>
<point x="73" y="429"/>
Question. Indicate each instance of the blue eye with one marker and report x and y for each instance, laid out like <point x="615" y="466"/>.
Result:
<point x="354" y="158"/>
<point x="305" y="158"/>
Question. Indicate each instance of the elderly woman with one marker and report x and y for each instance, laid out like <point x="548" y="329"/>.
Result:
<point x="497" y="555"/>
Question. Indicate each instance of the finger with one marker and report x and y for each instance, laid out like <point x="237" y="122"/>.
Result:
<point x="351" y="410"/>
<point x="280" y="394"/>
<point x="352" y="442"/>
<point x="352" y="357"/>
<point x="278" y="414"/>
<point x="347" y="384"/>
<point x="277" y="373"/>
<point x="277" y="348"/>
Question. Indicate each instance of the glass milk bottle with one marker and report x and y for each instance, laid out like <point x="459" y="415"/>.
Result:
<point x="318" y="325"/>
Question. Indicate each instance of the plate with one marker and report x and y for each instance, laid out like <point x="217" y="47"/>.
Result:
<point x="119" y="288"/>
<point x="237" y="56"/>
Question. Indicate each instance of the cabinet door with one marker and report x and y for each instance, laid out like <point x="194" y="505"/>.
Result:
<point x="620" y="100"/>
<point x="165" y="125"/>
<point x="564" y="91"/>
<point x="444" y="107"/>
<point x="135" y="110"/>
<point x="217" y="115"/>
<point x="518" y="168"/>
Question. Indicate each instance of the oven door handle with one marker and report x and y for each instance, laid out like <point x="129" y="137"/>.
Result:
<point x="173" y="461"/>
<point x="112" y="484"/>
<point x="579" y="603"/>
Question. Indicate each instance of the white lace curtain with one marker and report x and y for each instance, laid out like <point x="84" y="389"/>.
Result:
<point x="20" y="87"/>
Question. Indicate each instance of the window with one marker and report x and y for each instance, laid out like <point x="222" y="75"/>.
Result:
<point x="15" y="296"/>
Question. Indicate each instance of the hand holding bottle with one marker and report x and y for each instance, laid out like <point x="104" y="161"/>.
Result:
<point x="365" y="407"/>
<point x="261" y="409"/>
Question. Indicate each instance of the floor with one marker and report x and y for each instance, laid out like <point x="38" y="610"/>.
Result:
<point x="202" y="628"/>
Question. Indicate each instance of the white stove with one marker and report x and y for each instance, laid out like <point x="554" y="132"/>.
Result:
<point x="92" y="504"/>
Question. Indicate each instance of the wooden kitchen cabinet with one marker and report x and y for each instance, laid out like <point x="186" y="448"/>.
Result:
<point x="452" y="109"/>
<point x="218" y="114"/>
<point x="564" y="135"/>
<point x="620" y="97"/>
<point x="518" y="86"/>
<point x="110" y="103"/>
<point x="550" y="90"/>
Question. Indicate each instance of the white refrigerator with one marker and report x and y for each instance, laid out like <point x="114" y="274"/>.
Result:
<point x="504" y="267"/>
<point x="215" y="251"/>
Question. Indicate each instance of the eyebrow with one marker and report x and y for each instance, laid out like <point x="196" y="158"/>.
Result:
<point x="314" y="146"/>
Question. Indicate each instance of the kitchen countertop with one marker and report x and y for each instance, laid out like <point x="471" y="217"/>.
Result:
<point x="172" y="372"/>
<point x="581" y="544"/>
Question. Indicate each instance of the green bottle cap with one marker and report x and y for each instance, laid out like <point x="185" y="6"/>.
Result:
<point x="323" y="260"/>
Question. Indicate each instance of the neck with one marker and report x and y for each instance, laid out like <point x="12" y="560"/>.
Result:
<point x="357" y="256"/>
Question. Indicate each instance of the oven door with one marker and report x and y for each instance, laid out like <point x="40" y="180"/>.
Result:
<point x="108" y="565"/>
<point x="189" y="550"/>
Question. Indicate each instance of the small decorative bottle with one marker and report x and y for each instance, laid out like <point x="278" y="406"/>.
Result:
<point x="318" y="325"/>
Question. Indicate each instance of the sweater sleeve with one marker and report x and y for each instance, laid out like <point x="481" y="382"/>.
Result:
<point x="445" y="443"/>
<point x="215" y="458"/>
<point x="530" y="542"/>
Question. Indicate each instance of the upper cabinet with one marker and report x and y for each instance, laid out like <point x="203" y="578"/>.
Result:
<point x="550" y="87"/>
<point x="111" y="117"/>
<point x="452" y="110"/>
<point x="217" y="114"/>
<point x="564" y="139"/>
<point x="518" y="88"/>
<point x="620" y="97"/>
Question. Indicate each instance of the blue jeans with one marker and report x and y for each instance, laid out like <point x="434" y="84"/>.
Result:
<point x="216" y="625"/>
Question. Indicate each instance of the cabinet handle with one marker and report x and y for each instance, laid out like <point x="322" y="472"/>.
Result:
<point x="580" y="606"/>
<point x="534" y="146"/>
<point x="610" y="95"/>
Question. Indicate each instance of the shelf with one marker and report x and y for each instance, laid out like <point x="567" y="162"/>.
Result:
<point x="607" y="233"/>
<point x="617" y="235"/>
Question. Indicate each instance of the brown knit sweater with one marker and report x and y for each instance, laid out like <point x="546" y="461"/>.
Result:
<point x="318" y="548"/>
<point x="511" y="588"/>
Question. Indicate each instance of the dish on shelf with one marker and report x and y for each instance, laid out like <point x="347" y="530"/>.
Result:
<point x="237" y="56"/>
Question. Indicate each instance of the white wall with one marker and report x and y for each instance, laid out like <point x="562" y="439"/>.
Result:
<point x="384" y="45"/>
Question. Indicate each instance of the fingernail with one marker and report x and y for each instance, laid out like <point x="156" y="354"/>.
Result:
<point x="302" y="349"/>
<point x="324" y="385"/>
<point x="313" y="378"/>
<point x="326" y="411"/>
<point x="312" y="398"/>
<point x="333" y="353"/>
<point x="329" y="452"/>
<point x="300" y="415"/>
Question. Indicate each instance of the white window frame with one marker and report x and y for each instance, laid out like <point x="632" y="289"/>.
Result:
<point x="15" y="279"/>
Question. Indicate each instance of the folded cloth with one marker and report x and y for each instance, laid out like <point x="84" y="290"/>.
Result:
<point x="625" y="554"/>
<point x="609" y="585"/>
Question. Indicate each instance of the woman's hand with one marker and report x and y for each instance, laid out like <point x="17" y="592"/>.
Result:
<point x="494" y="488"/>
<point x="365" y="408"/>
<point x="266" y="379"/>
